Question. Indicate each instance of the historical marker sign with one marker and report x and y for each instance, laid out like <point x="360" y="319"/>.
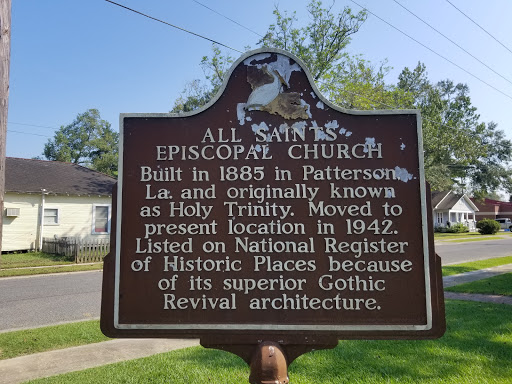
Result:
<point x="269" y="212"/>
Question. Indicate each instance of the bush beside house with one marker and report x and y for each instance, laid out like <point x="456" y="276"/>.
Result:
<point x="488" y="227"/>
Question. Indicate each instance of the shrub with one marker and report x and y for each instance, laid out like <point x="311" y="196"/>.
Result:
<point x="457" y="228"/>
<point x="439" y="229"/>
<point x="488" y="227"/>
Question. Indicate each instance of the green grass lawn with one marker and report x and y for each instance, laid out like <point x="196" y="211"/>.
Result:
<point x="46" y="270"/>
<point x="497" y="285"/>
<point x="38" y="263"/>
<point x="477" y="348"/>
<point x="475" y="265"/>
<point x="470" y="236"/>
<point x="13" y="344"/>
<point x="32" y="259"/>
<point x="473" y="239"/>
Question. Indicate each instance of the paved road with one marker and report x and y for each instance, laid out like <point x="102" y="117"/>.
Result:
<point x="42" y="300"/>
<point x="48" y="299"/>
<point x="453" y="253"/>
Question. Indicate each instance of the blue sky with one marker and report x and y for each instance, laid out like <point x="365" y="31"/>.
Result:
<point x="69" y="56"/>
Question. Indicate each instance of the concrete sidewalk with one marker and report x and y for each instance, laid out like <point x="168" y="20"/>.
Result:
<point x="450" y="281"/>
<point x="24" y="368"/>
<point x="38" y="365"/>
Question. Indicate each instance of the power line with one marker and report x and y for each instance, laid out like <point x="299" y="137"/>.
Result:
<point x="478" y="25"/>
<point x="32" y="125"/>
<point x="431" y="50"/>
<point x="27" y="133"/>
<point x="233" y="21"/>
<point x="453" y="42"/>
<point x="172" y="25"/>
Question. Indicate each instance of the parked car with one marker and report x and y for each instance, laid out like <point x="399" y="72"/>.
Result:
<point x="505" y="223"/>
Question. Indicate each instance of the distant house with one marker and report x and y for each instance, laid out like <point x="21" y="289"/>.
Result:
<point x="53" y="199"/>
<point x="451" y="208"/>
<point x="493" y="209"/>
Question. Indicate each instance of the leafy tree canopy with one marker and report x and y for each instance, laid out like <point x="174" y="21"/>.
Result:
<point x="460" y="151"/>
<point x="88" y="141"/>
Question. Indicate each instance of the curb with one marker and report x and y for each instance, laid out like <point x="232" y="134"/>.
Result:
<point x="45" y="364"/>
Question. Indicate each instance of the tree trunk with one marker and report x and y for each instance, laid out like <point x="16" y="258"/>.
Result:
<point x="5" y="56"/>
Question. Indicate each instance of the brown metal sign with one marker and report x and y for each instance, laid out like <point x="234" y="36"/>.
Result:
<point x="272" y="214"/>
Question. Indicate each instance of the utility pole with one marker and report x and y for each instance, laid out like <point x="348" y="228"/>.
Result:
<point x="5" y="58"/>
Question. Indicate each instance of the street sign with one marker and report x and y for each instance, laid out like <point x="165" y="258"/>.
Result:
<point x="272" y="214"/>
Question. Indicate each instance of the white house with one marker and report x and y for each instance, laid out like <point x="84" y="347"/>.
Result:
<point x="452" y="208"/>
<point x="51" y="198"/>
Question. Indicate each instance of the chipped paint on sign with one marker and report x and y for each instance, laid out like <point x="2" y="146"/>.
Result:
<point x="402" y="174"/>
<point x="369" y="142"/>
<point x="261" y="127"/>
<point x="320" y="105"/>
<point x="240" y="113"/>
<point x="307" y="108"/>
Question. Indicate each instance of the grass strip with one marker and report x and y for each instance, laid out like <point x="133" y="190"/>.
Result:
<point x="477" y="348"/>
<point x="475" y="265"/>
<point x="441" y="235"/>
<point x="496" y="285"/>
<point x="474" y="236"/>
<point x="32" y="259"/>
<point x="26" y="342"/>
<point x="46" y="270"/>
<point x="473" y="240"/>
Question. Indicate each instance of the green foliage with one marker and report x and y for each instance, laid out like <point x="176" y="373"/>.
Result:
<point x="355" y="83"/>
<point x="488" y="227"/>
<point x="88" y="141"/>
<point x="460" y="151"/>
<point x="457" y="228"/>
<point x="197" y="93"/>
<point x="321" y="43"/>
<point x="439" y="229"/>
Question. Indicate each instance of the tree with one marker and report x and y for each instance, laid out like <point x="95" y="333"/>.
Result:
<point x="197" y="93"/>
<point x="88" y="141"/>
<point x="460" y="151"/>
<point x="355" y="83"/>
<point x="320" y="44"/>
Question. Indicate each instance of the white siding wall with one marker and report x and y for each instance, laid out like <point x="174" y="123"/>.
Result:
<point x="462" y="206"/>
<point x="75" y="219"/>
<point x="75" y="216"/>
<point x="19" y="233"/>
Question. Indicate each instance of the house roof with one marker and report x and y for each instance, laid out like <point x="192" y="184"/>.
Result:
<point x="500" y="207"/>
<point x="31" y="176"/>
<point x="437" y="197"/>
<point x="447" y="199"/>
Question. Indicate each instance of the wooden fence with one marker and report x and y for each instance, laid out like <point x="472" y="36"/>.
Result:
<point x="82" y="250"/>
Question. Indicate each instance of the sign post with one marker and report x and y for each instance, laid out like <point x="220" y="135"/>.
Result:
<point x="272" y="221"/>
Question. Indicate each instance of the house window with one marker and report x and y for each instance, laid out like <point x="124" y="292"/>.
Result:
<point x="100" y="219"/>
<point x="51" y="216"/>
<point x="439" y="217"/>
